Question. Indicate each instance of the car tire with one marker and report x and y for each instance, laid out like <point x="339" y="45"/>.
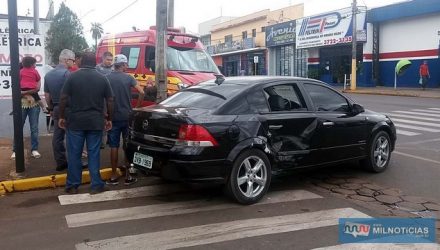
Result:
<point x="379" y="153"/>
<point x="250" y="177"/>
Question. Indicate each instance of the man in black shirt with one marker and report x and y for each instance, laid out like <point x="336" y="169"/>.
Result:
<point x="86" y="91"/>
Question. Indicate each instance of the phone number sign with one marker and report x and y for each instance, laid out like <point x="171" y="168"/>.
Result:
<point x="328" y="29"/>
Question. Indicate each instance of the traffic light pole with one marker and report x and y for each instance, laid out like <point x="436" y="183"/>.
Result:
<point x="16" y="91"/>
<point x="354" y="49"/>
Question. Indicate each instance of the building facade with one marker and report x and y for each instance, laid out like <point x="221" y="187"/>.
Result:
<point x="408" y="30"/>
<point x="238" y="46"/>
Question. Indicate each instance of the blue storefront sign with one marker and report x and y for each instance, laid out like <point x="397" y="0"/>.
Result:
<point x="387" y="230"/>
<point x="280" y="34"/>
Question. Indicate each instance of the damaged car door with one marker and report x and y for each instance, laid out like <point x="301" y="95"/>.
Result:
<point x="290" y="126"/>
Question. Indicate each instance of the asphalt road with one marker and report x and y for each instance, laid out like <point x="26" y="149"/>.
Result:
<point x="415" y="164"/>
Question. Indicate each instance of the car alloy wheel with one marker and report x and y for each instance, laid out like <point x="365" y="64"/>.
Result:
<point x="250" y="177"/>
<point x="379" y="153"/>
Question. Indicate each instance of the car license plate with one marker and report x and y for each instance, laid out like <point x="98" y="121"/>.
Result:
<point x="143" y="160"/>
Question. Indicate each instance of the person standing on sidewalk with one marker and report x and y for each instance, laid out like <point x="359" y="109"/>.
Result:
<point x="30" y="83"/>
<point x="86" y="90"/>
<point x="424" y="74"/>
<point x="121" y="84"/>
<point x="53" y="83"/>
<point x="105" y="68"/>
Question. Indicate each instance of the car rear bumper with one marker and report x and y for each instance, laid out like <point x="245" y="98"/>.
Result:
<point x="171" y="165"/>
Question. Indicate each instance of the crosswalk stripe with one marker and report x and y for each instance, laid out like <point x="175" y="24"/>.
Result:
<point x="416" y="113"/>
<point x="434" y="108"/>
<point x="413" y="117"/>
<point x="225" y="231"/>
<point x="417" y="128"/>
<point x="175" y="208"/>
<point x="404" y="132"/>
<point x="121" y="194"/>
<point x="380" y="246"/>
<point x="427" y="111"/>
<point x="416" y="122"/>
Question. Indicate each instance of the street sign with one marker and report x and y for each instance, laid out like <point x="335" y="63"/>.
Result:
<point x="255" y="59"/>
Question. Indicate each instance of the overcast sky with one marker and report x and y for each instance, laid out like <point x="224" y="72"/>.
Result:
<point x="188" y="13"/>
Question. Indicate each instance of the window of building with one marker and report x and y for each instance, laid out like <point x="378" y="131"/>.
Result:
<point x="132" y="54"/>
<point x="254" y="32"/>
<point x="228" y="39"/>
<point x="206" y="40"/>
<point x="244" y="34"/>
<point x="263" y="29"/>
<point x="290" y="62"/>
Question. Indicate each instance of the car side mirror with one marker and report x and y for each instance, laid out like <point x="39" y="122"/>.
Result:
<point x="357" y="109"/>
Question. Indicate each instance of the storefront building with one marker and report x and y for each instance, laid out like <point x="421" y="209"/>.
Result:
<point x="238" y="46"/>
<point x="283" y="57"/>
<point x="328" y="40"/>
<point x="408" y="30"/>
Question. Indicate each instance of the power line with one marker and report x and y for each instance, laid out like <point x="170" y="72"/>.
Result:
<point x="128" y="6"/>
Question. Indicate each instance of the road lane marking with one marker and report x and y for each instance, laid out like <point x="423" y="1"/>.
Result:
<point x="434" y="108"/>
<point x="381" y="246"/>
<point x="225" y="231"/>
<point x="416" y="157"/>
<point x="404" y="132"/>
<point x="427" y="111"/>
<point x="414" y="117"/>
<point x="417" y="122"/>
<point x="175" y="208"/>
<point x="416" y="113"/>
<point x="153" y="190"/>
<point x="416" y="128"/>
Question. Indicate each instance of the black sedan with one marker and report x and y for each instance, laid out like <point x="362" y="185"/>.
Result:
<point x="241" y="130"/>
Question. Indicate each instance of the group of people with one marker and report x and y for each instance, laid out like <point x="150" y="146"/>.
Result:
<point x="84" y="100"/>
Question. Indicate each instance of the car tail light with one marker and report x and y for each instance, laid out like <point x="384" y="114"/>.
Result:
<point x="195" y="136"/>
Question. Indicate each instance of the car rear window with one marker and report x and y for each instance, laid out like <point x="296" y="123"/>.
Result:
<point x="204" y="97"/>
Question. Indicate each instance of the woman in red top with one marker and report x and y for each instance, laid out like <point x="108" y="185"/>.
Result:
<point x="30" y="85"/>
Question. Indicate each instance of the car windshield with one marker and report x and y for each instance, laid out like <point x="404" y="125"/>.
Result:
<point x="188" y="59"/>
<point x="203" y="97"/>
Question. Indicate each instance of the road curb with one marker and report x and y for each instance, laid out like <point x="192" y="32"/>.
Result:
<point x="51" y="181"/>
<point x="388" y="94"/>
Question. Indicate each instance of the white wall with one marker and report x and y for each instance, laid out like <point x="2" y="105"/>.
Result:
<point x="411" y="34"/>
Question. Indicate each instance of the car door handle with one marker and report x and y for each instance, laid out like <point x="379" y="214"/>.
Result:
<point x="275" y="126"/>
<point x="328" y="123"/>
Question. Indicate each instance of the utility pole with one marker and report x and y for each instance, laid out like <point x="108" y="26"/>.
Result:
<point x="16" y="92"/>
<point x="354" y="50"/>
<point x="171" y="13"/>
<point x="161" y="47"/>
<point x="36" y="17"/>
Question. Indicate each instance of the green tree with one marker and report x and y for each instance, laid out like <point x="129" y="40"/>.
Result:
<point x="97" y="32"/>
<point x="65" y="32"/>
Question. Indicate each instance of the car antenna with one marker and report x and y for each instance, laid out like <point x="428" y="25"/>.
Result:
<point x="219" y="79"/>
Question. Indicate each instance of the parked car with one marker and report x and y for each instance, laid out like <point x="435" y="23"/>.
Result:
<point x="241" y="130"/>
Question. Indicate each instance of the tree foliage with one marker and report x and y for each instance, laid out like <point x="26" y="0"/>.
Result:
<point x="65" y="32"/>
<point x="97" y="32"/>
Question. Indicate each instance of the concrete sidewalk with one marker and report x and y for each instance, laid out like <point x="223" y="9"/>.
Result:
<point x="410" y="92"/>
<point x="40" y="173"/>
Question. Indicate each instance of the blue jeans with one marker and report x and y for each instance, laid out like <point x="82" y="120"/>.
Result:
<point x="75" y="144"/>
<point x="33" y="114"/>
